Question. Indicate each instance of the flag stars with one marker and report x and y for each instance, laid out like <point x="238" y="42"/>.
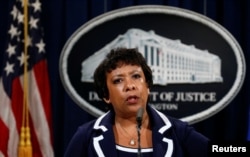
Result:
<point x="22" y="59"/>
<point x="9" y="68"/>
<point x="36" y="5"/>
<point x="14" y="12"/>
<point x="41" y="46"/>
<point x="20" y="17"/>
<point x="11" y="50"/>
<point x="22" y="2"/>
<point x="33" y="22"/>
<point x="13" y="31"/>
<point x="28" y="41"/>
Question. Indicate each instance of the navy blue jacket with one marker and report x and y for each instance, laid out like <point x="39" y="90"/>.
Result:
<point x="171" y="138"/>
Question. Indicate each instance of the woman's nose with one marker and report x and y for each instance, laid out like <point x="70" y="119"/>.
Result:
<point x="130" y="85"/>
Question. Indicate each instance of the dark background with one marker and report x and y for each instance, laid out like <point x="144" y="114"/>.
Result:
<point x="62" y="17"/>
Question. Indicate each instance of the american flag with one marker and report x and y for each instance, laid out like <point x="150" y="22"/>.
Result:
<point x="11" y="85"/>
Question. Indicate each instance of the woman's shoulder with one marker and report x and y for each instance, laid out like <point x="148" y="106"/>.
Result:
<point x="96" y="124"/>
<point x="166" y="119"/>
<point x="185" y="130"/>
<point x="181" y="128"/>
<point x="87" y="125"/>
<point x="177" y="122"/>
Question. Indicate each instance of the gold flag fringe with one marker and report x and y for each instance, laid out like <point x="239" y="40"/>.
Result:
<point x="25" y="145"/>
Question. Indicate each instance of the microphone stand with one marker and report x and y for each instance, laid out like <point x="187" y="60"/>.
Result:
<point x="139" y="141"/>
<point x="139" y="123"/>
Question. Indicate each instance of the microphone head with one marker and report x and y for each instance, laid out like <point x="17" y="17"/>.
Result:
<point x="139" y="115"/>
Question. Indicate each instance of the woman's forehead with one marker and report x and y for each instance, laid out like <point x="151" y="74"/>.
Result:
<point x="125" y="68"/>
<point x="120" y="64"/>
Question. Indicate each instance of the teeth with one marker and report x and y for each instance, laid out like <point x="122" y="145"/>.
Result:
<point x="131" y="98"/>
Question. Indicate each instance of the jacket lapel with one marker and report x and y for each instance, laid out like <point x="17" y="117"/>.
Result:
<point x="162" y="145"/>
<point x="104" y="143"/>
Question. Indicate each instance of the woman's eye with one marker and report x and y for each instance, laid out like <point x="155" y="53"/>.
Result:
<point x="116" y="81"/>
<point x="136" y="76"/>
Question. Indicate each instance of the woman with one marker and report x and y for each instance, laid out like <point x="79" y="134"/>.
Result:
<point x="123" y="81"/>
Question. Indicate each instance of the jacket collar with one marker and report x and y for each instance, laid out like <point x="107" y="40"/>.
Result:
<point x="162" y="145"/>
<point x="103" y="146"/>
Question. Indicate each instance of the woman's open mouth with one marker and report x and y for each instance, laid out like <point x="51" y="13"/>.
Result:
<point x="132" y="99"/>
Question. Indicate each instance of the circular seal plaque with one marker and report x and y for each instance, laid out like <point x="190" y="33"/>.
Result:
<point x="198" y="67"/>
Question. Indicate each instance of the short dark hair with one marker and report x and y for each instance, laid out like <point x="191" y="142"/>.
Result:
<point x="115" y="58"/>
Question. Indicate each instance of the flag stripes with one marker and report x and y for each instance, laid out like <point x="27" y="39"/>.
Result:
<point x="12" y="85"/>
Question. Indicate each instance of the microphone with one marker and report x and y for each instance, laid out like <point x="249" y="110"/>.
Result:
<point x="139" y="117"/>
<point x="139" y="123"/>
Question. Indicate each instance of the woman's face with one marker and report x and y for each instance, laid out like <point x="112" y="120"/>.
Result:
<point x="128" y="89"/>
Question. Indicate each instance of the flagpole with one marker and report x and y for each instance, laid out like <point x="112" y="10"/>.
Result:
<point x="25" y="146"/>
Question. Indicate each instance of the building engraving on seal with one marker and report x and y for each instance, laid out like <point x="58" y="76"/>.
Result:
<point x="171" y="61"/>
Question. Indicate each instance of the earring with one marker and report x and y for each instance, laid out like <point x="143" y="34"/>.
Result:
<point x="107" y="100"/>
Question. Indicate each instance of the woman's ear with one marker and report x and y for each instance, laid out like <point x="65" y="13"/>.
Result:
<point x="106" y="100"/>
